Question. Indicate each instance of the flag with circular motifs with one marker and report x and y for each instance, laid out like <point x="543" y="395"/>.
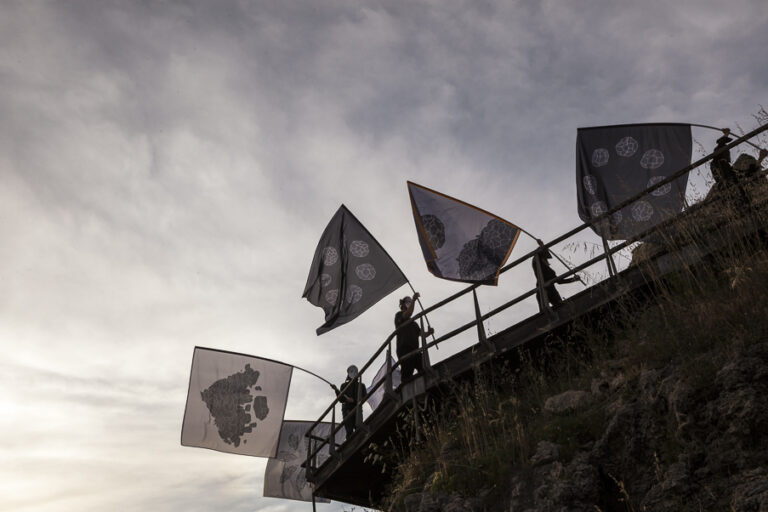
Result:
<point x="614" y="163"/>
<point x="460" y="241"/>
<point x="350" y="271"/>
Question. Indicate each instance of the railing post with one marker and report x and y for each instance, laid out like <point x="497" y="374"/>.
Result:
<point x="481" y="336"/>
<point x="389" y="386"/>
<point x="309" y="470"/>
<point x="608" y="256"/>
<point x="424" y="353"/>
<point x="331" y="435"/>
<point x="359" y="403"/>
<point x="542" y="292"/>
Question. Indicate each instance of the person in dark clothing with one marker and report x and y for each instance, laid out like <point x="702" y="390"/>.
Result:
<point x="720" y="166"/>
<point x="728" y="181"/>
<point x="408" y="338"/>
<point x="348" y="396"/>
<point x="551" y="294"/>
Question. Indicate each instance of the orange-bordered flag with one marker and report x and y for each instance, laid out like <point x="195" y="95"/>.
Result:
<point x="460" y="242"/>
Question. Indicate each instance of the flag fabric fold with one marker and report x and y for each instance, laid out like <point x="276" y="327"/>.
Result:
<point x="614" y="163"/>
<point x="350" y="271"/>
<point x="378" y="396"/>
<point x="460" y="241"/>
<point x="235" y="403"/>
<point x="284" y="477"/>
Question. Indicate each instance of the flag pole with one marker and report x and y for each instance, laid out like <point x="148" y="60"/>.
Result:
<point x="721" y="129"/>
<point x="422" y="308"/>
<point x="314" y="374"/>
<point x="555" y="255"/>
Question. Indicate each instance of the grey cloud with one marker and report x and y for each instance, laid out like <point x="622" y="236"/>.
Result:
<point x="167" y="168"/>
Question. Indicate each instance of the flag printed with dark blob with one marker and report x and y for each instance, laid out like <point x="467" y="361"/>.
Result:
<point x="460" y="241"/>
<point x="284" y="477"/>
<point x="235" y="403"/>
<point x="350" y="271"/>
<point x="614" y="163"/>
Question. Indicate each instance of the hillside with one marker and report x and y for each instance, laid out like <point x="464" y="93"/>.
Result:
<point x="662" y="405"/>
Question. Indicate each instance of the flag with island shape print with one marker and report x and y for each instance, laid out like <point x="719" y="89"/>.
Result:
<point x="235" y="403"/>
<point x="614" y="163"/>
<point x="284" y="476"/>
<point x="350" y="271"/>
<point x="460" y="241"/>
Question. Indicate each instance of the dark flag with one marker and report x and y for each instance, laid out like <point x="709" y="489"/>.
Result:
<point x="614" y="163"/>
<point x="235" y="403"/>
<point x="350" y="271"/>
<point x="460" y="241"/>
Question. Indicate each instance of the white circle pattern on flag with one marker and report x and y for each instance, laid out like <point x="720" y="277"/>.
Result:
<point x="662" y="190"/>
<point x="354" y="294"/>
<point x="626" y="147"/>
<point x="365" y="271"/>
<point x="598" y="208"/>
<point x="331" y="296"/>
<point x="590" y="184"/>
<point x="325" y="280"/>
<point x="617" y="217"/>
<point x="652" y="159"/>
<point x="330" y="256"/>
<point x="359" y="249"/>
<point x="600" y="157"/>
<point x="642" y="211"/>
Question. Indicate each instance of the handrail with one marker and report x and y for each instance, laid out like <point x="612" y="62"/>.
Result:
<point x="587" y="224"/>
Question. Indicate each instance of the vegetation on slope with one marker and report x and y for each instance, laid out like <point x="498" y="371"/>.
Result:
<point x="660" y="405"/>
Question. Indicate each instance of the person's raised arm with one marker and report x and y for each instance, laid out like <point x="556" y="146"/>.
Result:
<point x="408" y="311"/>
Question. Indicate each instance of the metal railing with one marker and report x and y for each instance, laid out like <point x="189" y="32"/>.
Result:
<point x="318" y="443"/>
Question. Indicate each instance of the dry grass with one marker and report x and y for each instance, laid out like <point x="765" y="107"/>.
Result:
<point x="698" y="320"/>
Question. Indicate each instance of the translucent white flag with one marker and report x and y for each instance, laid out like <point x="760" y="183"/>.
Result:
<point x="235" y="403"/>
<point x="378" y="395"/>
<point x="284" y="476"/>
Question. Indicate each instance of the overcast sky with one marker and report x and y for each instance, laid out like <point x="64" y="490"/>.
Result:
<point x="167" y="168"/>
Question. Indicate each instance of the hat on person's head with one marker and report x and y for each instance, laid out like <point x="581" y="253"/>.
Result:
<point x="405" y="301"/>
<point x="744" y="162"/>
<point x="352" y="372"/>
<point x="725" y="139"/>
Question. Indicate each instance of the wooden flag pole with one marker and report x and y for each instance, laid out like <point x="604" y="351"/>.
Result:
<point x="313" y="374"/>
<point x="722" y="130"/>
<point x="425" y="316"/>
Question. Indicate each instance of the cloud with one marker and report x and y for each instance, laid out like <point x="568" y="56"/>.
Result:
<point x="166" y="170"/>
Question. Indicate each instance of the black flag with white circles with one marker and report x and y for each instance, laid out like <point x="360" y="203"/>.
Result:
<point x="350" y="271"/>
<point x="614" y="163"/>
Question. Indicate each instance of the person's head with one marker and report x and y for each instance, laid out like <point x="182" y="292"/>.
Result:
<point x="744" y="162"/>
<point x="352" y="372"/>
<point x="405" y="303"/>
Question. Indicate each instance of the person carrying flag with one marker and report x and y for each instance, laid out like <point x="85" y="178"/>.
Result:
<point x="408" y="338"/>
<point x="351" y="391"/>
<point x="551" y="295"/>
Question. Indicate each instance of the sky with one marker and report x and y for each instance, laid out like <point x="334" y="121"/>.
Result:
<point x="167" y="168"/>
